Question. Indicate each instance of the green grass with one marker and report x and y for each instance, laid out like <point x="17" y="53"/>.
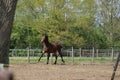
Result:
<point x="17" y="60"/>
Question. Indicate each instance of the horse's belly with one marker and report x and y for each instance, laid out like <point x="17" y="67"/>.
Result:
<point x="49" y="50"/>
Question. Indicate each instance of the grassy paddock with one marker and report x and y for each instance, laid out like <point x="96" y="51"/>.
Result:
<point x="15" y="60"/>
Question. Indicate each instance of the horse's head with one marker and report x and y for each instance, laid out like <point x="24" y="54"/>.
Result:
<point x="44" y="38"/>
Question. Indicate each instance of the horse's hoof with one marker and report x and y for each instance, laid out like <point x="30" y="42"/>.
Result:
<point x="55" y="63"/>
<point x="62" y="63"/>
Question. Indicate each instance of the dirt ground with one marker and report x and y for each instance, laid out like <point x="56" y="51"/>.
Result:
<point x="82" y="71"/>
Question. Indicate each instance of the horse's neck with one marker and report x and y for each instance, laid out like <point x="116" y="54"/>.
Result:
<point x="46" y="44"/>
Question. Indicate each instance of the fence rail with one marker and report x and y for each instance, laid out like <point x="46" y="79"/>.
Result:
<point x="70" y="55"/>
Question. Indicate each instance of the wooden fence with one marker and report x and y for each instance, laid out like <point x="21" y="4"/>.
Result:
<point x="70" y="54"/>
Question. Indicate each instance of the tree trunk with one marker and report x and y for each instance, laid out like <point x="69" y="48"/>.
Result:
<point x="7" y="11"/>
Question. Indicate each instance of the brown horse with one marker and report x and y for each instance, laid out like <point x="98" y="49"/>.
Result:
<point x="50" y="48"/>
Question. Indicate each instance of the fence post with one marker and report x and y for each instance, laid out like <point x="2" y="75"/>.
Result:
<point x="67" y="55"/>
<point x="93" y="52"/>
<point x="51" y="55"/>
<point x="12" y="52"/>
<point x="28" y="55"/>
<point x="72" y="55"/>
<point x="80" y="54"/>
<point x="15" y="52"/>
<point x="112" y="55"/>
<point x="33" y="52"/>
<point x="97" y="53"/>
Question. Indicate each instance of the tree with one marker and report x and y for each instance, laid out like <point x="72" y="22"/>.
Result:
<point x="69" y="22"/>
<point x="7" y="12"/>
<point x="108" y="14"/>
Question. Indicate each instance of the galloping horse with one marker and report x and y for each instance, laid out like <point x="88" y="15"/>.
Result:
<point x="50" y="48"/>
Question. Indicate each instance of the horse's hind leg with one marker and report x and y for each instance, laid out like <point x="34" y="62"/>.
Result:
<point x="48" y="56"/>
<point x="61" y="57"/>
<point x="55" y="59"/>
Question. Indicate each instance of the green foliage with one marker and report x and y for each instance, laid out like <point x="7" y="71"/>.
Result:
<point x="69" y="22"/>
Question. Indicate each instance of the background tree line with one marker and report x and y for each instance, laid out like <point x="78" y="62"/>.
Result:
<point x="78" y="23"/>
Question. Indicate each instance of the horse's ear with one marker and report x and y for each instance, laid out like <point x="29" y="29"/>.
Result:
<point x="43" y="34"/>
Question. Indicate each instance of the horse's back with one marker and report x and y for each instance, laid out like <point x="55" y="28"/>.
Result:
<point x="57" y="46"/>
<point x="52" y="48"/>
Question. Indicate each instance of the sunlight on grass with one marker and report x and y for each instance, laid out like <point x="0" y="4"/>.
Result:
<point x="17" y="60"/>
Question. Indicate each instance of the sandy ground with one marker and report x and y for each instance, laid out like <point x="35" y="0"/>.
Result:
<point x="82" y="71"/>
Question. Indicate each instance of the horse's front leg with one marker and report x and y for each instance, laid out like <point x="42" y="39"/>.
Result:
<point x="40" y="57"/>
<point x="61" y="57"/>
<point x="48" y="56"/>
<point x="55" y="58"/>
